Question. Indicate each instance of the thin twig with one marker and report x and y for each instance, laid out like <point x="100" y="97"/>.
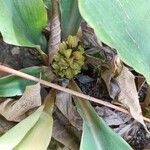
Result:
<point x="55" y="86"/>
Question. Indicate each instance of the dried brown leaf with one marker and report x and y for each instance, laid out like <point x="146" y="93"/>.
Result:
<point x="5" y="125"/>
<point x="121" y="85"/>
<point x="65" y="137"/>
<point x="14" y="110"/>
<point x="89" y="37"/>
<point x="65" y="105"/>
<point x="128" y="95"/>
<point x="111" y="117"/>
<point x="55" y="145"/>
<point x="64" y="132"/>
<point x="108" y="75"/>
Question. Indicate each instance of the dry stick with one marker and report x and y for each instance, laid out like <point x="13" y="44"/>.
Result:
<point x="55" y="86"/>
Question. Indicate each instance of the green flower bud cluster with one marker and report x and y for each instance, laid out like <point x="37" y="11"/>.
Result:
<point x="67" y="62"/>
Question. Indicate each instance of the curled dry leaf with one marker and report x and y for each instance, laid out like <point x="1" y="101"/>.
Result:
<point x="105" y="58"/>
<point x="14" y="110"/>
<point x="121" y="85"/>
<point x="5" y="125"/>
<point x="111" y="117"/>
<point x="64" y="132"/>
<point x="120" y="122"/>
<point x="64" y="136"/>
<point x="65" y="105"/>
<point x="89" y="37"/>
<point x="108" y="75"/>
<point x="128" y="95"/>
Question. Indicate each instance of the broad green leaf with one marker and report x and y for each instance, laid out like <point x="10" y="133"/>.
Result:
<point x="70" y="17"/>
<point x="123" y="25"/>
<point x="22" y="21"/>
<point x="39" y="136"/>
<point x="13" y="137"/>
<point x="96" y="134"/>
<point x="13" y="85"/>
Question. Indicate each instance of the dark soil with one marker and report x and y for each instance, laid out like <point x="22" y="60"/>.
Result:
<point x="18" y="57"/>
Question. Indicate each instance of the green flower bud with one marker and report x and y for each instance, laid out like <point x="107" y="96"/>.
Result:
<point x="72" y="41"/>
<point x="77" y="55"/>
<point x="67" y="62"/>
<point x="67" y="53"/>
<point x="62" y="46"/>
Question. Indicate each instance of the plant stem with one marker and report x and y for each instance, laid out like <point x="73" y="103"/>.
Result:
<point x="55" y="31"/>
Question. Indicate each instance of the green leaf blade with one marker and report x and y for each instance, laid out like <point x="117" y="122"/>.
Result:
<point x="13" y="137"/>
<point x="97" y="135"/>
<point x="34" y="138"/>
<point x="86" y="140"/>
<point x="70" y="17"/>
<point x="21" y="22"/>
<point x="124" y="27"/>
<point x="40" y="135"/>
<point x="13" y="85"/>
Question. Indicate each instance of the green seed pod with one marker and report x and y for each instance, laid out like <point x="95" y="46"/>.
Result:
<point x="67" y="62"/>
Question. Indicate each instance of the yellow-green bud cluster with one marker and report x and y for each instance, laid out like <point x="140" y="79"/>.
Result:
<point x="69" y="59"/>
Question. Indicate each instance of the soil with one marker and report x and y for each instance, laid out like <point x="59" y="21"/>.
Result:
<point x="18" y="57"/>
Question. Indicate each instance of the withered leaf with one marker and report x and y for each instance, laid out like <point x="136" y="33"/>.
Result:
<point x="111" y="117"/>
<point x="128" y="95"/>
<point x="14" y="110"/>
<point x="64" y="132"/>
<point x="5" y="125"/>
<point x="108" y="75"/>
<point x="89" y="37"/>
<point x="65" y="105"/>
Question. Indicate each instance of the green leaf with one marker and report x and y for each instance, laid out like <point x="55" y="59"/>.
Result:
<point x="13" y="137"/>
<point x="124" y="27"/>
<point x="96" y="134"/>
<point x="48" y="4"/>
<point x="13" y="85"/>
<point x="40" y="135"/>
<point x="70" y="17"/>
<point x="22" y="21"/>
